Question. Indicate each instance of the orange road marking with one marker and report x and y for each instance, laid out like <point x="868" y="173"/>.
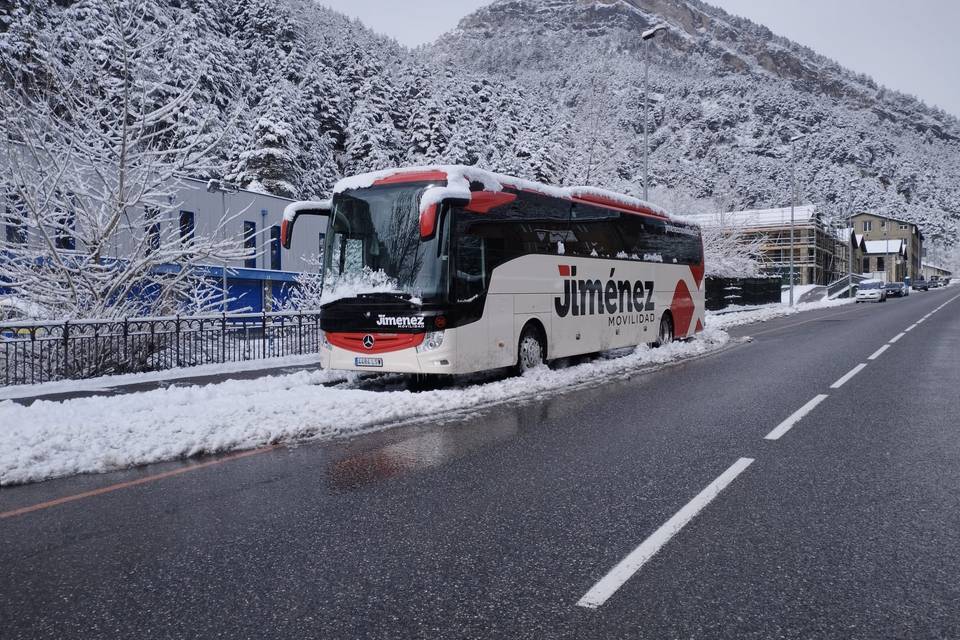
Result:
<point x="132" y="483"/>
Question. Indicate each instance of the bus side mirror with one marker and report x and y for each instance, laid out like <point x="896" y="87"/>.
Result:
<point x="302" y="208"/>
<point x="479" y="202"/>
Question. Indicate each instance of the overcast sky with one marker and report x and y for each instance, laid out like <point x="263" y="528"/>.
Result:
<point x="913" y="47"/>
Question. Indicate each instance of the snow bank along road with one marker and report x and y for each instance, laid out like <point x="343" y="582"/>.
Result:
<point x="47" y="439"/>
<point x="800" y="485"/>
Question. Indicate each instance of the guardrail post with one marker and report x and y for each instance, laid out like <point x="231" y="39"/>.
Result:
<point x="223" y="337"/>
<point x="176" y="341"/>
<point x="263" y="329"/>
<point x="66" y="347"/>
<point x="300" y="333"/>
<point x="126" y="346"/>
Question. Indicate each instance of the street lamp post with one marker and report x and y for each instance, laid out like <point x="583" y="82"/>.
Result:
<point x="853" y="232"/>
<point x="223" y="188"/>
<point x="793" y="202"/>
<point x="646" y="36"/>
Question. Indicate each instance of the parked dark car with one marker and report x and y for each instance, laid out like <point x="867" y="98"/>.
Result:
<point x="894" y="289"/>
<point x="921" y="285"/>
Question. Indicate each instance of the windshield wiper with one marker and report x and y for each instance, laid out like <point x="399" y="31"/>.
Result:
<point x="386" y="294"/>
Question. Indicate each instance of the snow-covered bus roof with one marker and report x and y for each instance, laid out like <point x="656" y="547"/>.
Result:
<point x="459" y="177"/>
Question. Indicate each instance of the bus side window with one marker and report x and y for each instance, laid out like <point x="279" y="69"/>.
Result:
<point x="597" y="232"/>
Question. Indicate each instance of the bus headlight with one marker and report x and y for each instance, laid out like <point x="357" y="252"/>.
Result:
<point x="431" y="342"/>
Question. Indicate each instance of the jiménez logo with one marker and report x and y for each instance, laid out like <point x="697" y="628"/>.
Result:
<point x="401" y="322"/>
<point x="626" y="301"/>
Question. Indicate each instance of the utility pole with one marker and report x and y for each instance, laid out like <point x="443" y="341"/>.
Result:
<point x="646" y="36"/>
<point x="853" y="233"/>
<point x="793" y="202"/>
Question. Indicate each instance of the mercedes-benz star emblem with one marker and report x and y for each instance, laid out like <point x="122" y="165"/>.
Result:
<point x="368" y="341"/>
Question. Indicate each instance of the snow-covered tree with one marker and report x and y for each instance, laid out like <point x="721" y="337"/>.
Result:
<point x="91" y="165"/>
<point x="272" y="165"/>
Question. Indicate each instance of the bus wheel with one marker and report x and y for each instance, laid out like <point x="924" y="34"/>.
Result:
<point x="531" y="351"/>
<point x="665" y="335"/>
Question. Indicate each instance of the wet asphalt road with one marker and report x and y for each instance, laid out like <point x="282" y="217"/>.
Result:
<point x="494" y="526"/>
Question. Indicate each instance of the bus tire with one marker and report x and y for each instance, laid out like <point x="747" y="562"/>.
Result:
<point x="417" y="382"/>
<point x="531" y="349"/>
<point x="665" y="333"/>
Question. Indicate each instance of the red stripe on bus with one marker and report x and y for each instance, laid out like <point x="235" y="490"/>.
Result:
<point x="382" y="342"/>
<point x="682" y="309"/>
<point x="697" y="271"/>
<point x="413" y="176"/>
<point x="564" y="270"/>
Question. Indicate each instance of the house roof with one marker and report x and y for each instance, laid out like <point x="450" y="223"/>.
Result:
<point x="895" y="245"/>
<point x="751" y="218"/>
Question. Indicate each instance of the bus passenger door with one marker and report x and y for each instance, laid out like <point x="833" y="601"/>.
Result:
<point x="501" y="343"/>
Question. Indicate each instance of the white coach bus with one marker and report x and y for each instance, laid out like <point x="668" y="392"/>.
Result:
<point x="478" y="271"/>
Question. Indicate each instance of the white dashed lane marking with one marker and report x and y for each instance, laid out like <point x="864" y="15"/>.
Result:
<point x="876" y="354"/>
<point x="794" y="418"/>
<point x="857" y="369"/>
<point x="626" y="568"/>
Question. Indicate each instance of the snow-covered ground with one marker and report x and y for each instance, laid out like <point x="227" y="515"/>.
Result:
<point x="105" y="383"/>
<point x="50" y="439"/>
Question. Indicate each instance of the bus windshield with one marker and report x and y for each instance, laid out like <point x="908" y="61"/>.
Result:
<point x="373" y="243"/>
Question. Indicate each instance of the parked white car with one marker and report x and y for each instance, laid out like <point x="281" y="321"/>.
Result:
<point x="872" y="291"/>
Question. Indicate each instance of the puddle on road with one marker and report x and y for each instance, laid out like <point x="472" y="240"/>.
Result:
<point x="417" y="448"/>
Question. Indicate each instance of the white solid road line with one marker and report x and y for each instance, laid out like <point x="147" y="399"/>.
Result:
<point x="910" y="328"/>
<point x="624" y="570"/>
<point x="894" y="339"/>
<point x="857" y="369"/>
<point x="878" y="352"/>
<point x="794" y="418"/>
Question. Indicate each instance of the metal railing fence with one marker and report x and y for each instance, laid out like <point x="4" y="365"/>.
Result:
<point x="34" y="352"/>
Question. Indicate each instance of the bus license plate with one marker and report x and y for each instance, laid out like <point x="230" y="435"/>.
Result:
<point x="368" y="362"/>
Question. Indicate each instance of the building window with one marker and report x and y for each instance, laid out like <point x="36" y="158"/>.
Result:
<point x="868" y="225"/>
<point x="866" y="266"/>
<point x="250" y="244"/>
<point x="880" y="266"/>
<point x="15" y="215"/>
<point x="275" y="262"/>
<point x="187" y="222"/>
<point x="152" y="229"/>
<point x="904" y="226"/>
<point x="883" y="224"/>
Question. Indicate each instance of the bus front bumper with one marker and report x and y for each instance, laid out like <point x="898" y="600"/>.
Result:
<point x="419" y="360"/>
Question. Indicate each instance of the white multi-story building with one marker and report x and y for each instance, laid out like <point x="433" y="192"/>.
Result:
<point x="196" y="208"/>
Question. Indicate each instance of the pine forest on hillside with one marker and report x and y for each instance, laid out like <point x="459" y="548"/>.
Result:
<point x="294" y="95"/>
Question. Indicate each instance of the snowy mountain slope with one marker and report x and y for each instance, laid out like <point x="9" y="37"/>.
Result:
<point x="548" y="89"/>
<point x="727" y="95"/>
